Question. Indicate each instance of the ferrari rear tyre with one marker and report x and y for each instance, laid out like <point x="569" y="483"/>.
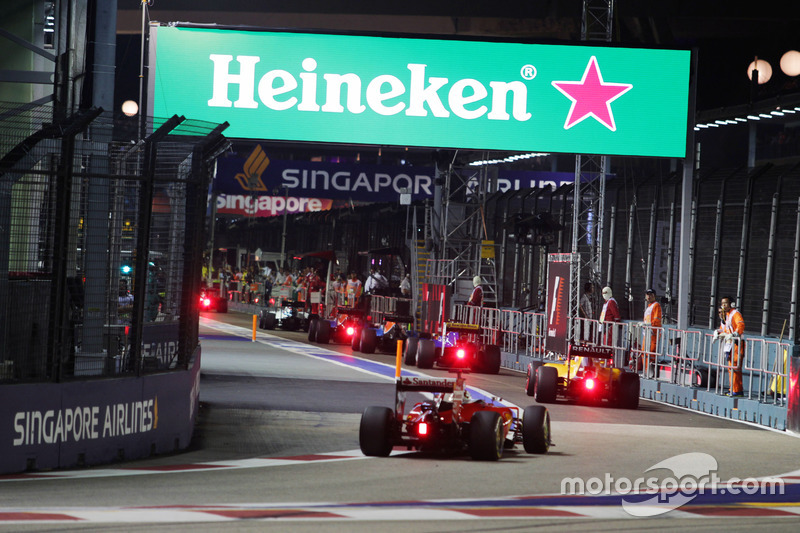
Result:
<point x="491" y="360"/>
<point x="355" y="341"/>
<point x="426" y="353"/>
<point x="486" y="438"/>
<point x="323" y="331"/>
<point x="270" y="321"/>
<point x="375" y="431"/>
<point x="536" y="429"/>
<point x="546" y="384"/>
<point x="410" y="352"/>
<point x="530" y="379"/>
<point x="369" y="340"/>
<point x="312" y="330"/>
<point x="629" y="390"/>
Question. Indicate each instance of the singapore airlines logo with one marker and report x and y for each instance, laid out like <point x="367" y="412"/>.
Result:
<point x="591" y="97"/>
<point x="255" y="165"/>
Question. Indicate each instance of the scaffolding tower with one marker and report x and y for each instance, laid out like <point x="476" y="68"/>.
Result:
<point x="590" y="180"/>
<point x="459" y="248"/>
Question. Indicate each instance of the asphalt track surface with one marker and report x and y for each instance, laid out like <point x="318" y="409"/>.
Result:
<point x="276" y="448"/>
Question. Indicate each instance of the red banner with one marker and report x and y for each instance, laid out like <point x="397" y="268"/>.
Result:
<point x="558" y="278"/>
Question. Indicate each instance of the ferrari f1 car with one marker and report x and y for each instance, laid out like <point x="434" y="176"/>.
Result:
<point x="340" y="329"/>
<point x="587" y="376"/>
<point x="451" y="423"/>
<point x="459" y="345"/>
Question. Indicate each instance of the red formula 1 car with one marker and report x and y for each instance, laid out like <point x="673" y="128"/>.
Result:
<point x="210" y="300"/>
<point x="341" y="329"/>
<point x="451" y="423"/>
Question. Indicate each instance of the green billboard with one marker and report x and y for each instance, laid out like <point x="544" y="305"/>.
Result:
<point x="424" y="92"/>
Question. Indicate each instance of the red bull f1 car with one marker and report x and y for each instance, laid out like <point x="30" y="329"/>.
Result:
<point x="451" y="423"/>
<point x="459" y="345"/>
<point x="586" y="376"/>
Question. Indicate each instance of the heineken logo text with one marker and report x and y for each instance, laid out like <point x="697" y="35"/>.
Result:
<point x="415" y="94"/>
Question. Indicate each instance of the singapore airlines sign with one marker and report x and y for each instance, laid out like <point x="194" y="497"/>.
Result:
<point x="425" y="92"/>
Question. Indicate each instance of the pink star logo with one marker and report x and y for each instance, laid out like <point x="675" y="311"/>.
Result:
<point x="591" y="97"/>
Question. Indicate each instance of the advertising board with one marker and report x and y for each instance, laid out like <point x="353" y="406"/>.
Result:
<point x="424" y="92"/>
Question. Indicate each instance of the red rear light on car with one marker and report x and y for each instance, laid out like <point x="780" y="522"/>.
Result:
<point x="350" y="330"/>
<point x="422" y="429"/>
<point x="460" y="353"/>
<point x="589" y="384"/>
<point x="272" y="302"/>
<point x="206" y="302"/>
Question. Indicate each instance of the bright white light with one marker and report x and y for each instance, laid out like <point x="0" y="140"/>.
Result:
<point x="509" y="159"/>
<point x="790" y="63"/>
<point x="130" y="108"/>
<point x="764" y="71"/>
<point x="753" y="117"/>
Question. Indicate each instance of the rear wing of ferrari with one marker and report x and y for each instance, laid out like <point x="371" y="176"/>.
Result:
<point x="426" y="384"/>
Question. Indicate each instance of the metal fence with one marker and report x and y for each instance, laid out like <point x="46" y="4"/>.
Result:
<point x="686" y="357"/>
<point x="101" y="242"/>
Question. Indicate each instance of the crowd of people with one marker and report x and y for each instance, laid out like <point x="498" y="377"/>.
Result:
<point x="269" y="284"/>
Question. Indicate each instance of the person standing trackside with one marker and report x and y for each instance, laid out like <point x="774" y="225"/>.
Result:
<point x="586" y="304"/>
<point x="354" y="290"/>
<point x="652" y="319"/>
<point x="586" y="311"/>
<point x="476" y="298"/>
<point x="732" y="330"/>
<point x="405" y="286"/>
<point x="609" y="314"/>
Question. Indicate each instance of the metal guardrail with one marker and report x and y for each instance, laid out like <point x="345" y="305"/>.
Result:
<point x="684" y="357"/>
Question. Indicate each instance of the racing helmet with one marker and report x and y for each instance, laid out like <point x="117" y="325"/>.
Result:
<point x="476" y="281"/>
<point x="607" y="294"/>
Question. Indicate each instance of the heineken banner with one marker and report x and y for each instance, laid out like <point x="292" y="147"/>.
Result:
<point x="424" y="92"/>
